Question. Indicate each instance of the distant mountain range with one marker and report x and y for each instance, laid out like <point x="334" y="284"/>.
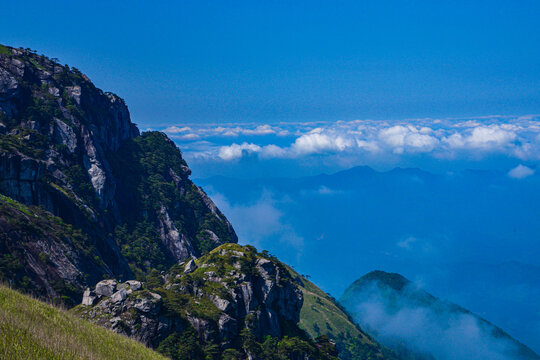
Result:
<point x="417" y="325"/>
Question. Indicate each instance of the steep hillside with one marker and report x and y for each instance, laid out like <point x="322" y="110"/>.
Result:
<point x="417" y="325"/>
<point x="30" y="329"/>
<point x="322" y="315"/>
<point x="96" y="214"/>
<point x="125" y="200"/>
<point x="233" y="301"/>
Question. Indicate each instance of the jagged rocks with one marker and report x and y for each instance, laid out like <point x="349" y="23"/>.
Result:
<point x="134" y="285"/>
<point x="231" y="289"/>
<point x="177" y="243"/>
<point x="130" y="311"/>
<point x="119" y="296"/>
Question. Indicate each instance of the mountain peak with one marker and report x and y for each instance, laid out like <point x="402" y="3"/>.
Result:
<point x="417" y="325"/>
<point x="392" y="280"/>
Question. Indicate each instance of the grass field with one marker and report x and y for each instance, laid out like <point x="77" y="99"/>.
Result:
<point x="31" y="329"/>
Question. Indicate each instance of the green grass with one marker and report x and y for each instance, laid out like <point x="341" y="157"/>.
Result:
<point x="320" y="311"/>
<point x="17" y="205"/>
<point x="31" y="329"/>
<point x="321" y="315"/>
<point x="4" y="50"/>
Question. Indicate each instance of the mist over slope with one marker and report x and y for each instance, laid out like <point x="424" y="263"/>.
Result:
<point x="412" y="321"/>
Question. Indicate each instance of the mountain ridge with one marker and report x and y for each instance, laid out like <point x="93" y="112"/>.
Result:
<point x="61" y="139"/>
<point x="92" y="212"/>
<point x="399" y="297"/>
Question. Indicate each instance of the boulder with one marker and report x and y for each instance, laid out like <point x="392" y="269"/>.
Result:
<point x="106" y="287"/>
<point x="134" y="285"/>
<point x="190" y="267"/>
<point x="89" y="297"/>
<point x="119" y="296"/>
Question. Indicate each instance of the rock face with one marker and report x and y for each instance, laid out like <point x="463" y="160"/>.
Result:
<point x="45" y="98"/>
<point x="85" y="197"/>
<point x="230" y="290"/>
<point x="71" y="149"/>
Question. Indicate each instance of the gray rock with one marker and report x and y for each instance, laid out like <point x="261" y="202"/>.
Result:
<point x="89" y="297"/>
<point x="190" y="267"/>
<point x="119" y="296"/>
<point x="221" y="304"/>
<point x="64" y="134"/>
<point x="178" y="243"/>
<point x="106" y="287"/>
<point x="54" y="91"/>
<point x="134" y="285"/>
<point x="74" y="92"/>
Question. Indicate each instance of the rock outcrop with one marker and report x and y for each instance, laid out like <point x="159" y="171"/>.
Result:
<point x="71" y="149"/>
<point x="127" y="309"/>
<point x="222" y="295"/>
<point x="85" y="197"/>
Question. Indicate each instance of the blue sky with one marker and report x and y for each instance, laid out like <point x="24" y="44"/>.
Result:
<point x="199" y="61"/>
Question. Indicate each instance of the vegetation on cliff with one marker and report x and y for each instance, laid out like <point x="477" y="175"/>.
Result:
<point x="71" y="149"/>
<point x="234" y="301"/>
<point x="321" y="315"/>
<point x="88" y="205"/>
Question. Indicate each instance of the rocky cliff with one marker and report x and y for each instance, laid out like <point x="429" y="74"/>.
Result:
<point x="233" y="299"/>
<point x="71" y="149"/>
<point x="92" y="211"/>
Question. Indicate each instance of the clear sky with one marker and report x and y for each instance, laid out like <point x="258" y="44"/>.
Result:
<point x="252" y="61"/>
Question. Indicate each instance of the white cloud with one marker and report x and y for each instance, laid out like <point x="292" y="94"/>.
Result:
<point x="260" y="222"/>
<point x="401" y="138"/>
<point x="465" y="139"/>
<point x="236" y="151"/>
<point x="407" y="242"/>
<point x="176" y="129"/>
<point x="185" y="137"/>
<point x="483" y="137"/>
<point x="316" y="142"/>
<point x="273" y="151"/>
<point x="520" y="172"/>
<point x="439" y="331"/>
<point x="259" y="130"/>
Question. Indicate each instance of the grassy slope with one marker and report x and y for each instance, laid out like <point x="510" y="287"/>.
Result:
<point x="30" y="329"/>
<point x="320" y="315"/>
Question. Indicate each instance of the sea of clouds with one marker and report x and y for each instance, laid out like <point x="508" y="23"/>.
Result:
<point x="474" y="138"/>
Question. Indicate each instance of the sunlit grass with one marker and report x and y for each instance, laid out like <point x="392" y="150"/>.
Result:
<point x="31" y="329"/>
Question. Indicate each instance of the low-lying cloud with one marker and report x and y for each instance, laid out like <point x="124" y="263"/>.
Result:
<point x="260" y="221"/>
<point x="436" y="331"/>
<point x="520" y="172"/>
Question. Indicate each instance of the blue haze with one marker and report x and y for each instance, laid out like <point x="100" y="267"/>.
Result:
<point x="470" y="237"/>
